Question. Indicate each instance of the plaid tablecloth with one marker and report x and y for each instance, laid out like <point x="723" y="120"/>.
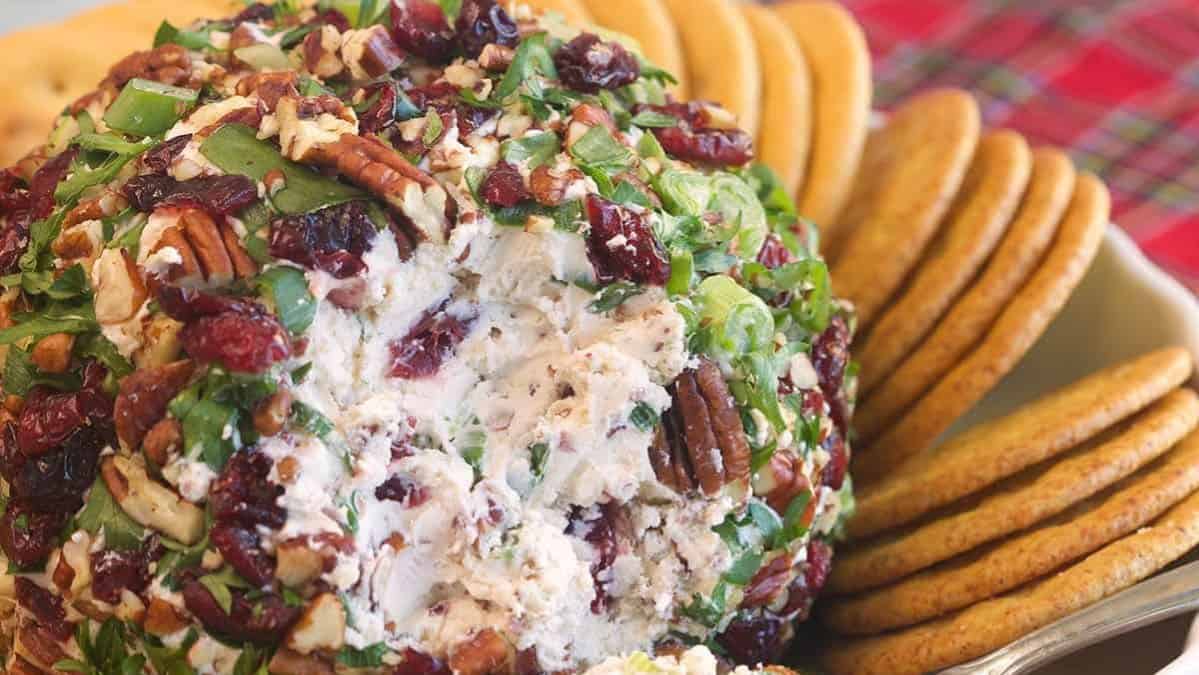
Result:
<point x="1114" y="81"/>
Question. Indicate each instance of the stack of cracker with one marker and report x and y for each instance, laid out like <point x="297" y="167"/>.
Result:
<point x="1020" y="521"/>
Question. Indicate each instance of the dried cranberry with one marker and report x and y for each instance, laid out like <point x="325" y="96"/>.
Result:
<point x="421" y="352"/>
<point x="45" y="607"/>
<point x="834" y="472"/>
<point x="15" y="200"/>
<point x="45" y="180"/>
<point x="11" y="457"/>
<point x="218" y="195"/>
<point x="694" y="140"/>
<point x="332" y="17"/>
<point x="419" y="663"/>
<point x="381" y="113"/>
<point x="158" y="158"/>
<point x="255" y="13"/>
<point x="57" y="480"/>
<point x="589" y="64"/>
<point x="601" y="532"/>
<point x="445" y="99"/>
<point x="332" y="239"/>
<point x="115" y="571"/>
<point x="242" y="549"/>
<point x="13" y="242"/>
<point x="774" y="253"/>
<point x="264" y="620"/>
<point x="420" y="26"/>
<point x="621" y="245"/>
<point x="402" y="489"/>
<point x="248" y="343"/>
<point x="50" y="416"/>
<point x="804" y="589"/>
<point x="483" y="22"/>
<point x="244" y="493"/>
<point x="830" y="356"/>
<point x="754" y="637"/>
<point x="504" y="186"/>
<point x="189" y="304"/>
<point x="28" y="535"/>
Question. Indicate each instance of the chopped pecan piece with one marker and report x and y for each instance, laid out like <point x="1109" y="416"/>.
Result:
<point x="484" y="653"/>
<point x="308" y="124"/>
<point x="701" y="441"/>
<point x="320" y="52"/>
<point x="143" y="399"/>
<point x="370" y="52"/>
<point x="269" y="87"/>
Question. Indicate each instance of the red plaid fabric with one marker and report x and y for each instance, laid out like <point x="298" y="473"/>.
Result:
<point x="1114" y="81"/>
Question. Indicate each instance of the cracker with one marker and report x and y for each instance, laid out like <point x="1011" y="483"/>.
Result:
<point x="45" y="80"/>
<point x="649" y="23"/>
<point x="785" y="131"/>
<point x="993" y="623"/>
<point x="1002" y="447"/>
<point x="972" y="314"/>
<point x="839" y="62"/>
<point x="722" y="61"/>
<point x="1015" y="331"/>
<point x="1022" y="501"/>
<point x="876" y="159"/>
<point x="932" y="138"/>
<point x="1077" y="532"/>
<point x="979" y="216"/>
<point x="573" y="11"/>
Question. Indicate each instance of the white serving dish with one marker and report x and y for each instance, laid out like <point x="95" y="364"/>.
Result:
<point x="1124" y="306"/>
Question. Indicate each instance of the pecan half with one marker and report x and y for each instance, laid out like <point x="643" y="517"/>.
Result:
<point x="207" y="251"/>
<point x="409" y="191"/>
<point x="143" y="398"/>
<point x="484" y="653"/>
<point x="701" y="441"/>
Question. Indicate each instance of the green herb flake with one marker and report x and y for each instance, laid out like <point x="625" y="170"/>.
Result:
<point x="614" y="295"/>
<point x="644" y="417"/>
<point x="102" y="512"/>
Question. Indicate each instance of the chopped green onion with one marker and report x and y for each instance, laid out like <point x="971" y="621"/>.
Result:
<point x="148" y="108"/>
<point x="532" y="57"/>
<point x="654" y="119"/>
<point x="168" y="34"/>
<point x="287" y="289"/>
<point x="741" y="322"/>
<point x="263" y="56"/>
<point x="433" y="128"/>
<point x="644" y="417"/>
<point x="535" y="149"/>
<point x="597" y="148"/>
<point x="682" y="270"/>
<point x="111" y="143"/>
<point x="649" y="147"/>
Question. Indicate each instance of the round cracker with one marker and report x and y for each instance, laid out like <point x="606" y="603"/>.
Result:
<point x="991" y="624"/>
<point x="962" y="582"/>
<point x="1015" y="331"/>
<point x="839" y="62"/>
<point x="1022" y="501"/>
<point x="1037" y="431"/>
<point x="978" y="218"/>
<point x="722" y="62"/>
<point x="573" y="11"/>
<point x="786" y="128"/>
<point x="649" y="23"/>
<point x="1013" y="262"/>
<point x="46" y="80"/>
<point x="932" y="138"/>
